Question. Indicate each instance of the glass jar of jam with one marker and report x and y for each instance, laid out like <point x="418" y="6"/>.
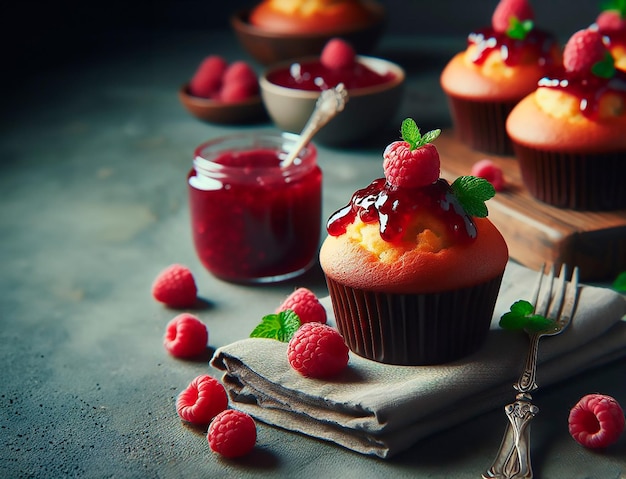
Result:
<point x="255" y="219"/>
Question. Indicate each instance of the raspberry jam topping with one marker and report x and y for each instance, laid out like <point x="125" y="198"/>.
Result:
<point x="537" y="42"/>
<point x="588" y="88"/>
<point x="314" y="76"/>
<point x="394" y="208"/>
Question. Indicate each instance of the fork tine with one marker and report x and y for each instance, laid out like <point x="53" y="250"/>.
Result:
<point x="542" y="307"/>
<point x="571" y="299"/>
<point x="559" y="295"/>
<point x="537" y="289"/>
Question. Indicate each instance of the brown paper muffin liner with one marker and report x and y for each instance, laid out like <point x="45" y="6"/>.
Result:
<point x="583" y="182"/>
<point x="414" y="329"/>
<point x="481" y="124"/>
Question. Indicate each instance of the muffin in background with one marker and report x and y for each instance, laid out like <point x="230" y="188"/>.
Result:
<point x="570" y="134"/>
<point x="412" y="264"/>
<point x="501" y="65"/>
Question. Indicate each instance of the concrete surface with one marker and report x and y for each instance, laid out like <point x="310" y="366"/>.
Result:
<point x="93" y="205"/>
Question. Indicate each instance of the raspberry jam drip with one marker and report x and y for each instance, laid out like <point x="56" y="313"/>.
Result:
<point x="395" y="208"/>
<point x="313" y="76"/>
<point x="539" y="43"/>
<point x="588" y="88"/>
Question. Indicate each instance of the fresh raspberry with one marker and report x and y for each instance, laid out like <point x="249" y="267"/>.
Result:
<point x="501" y="18"/>
<point x="611" y="21"/>
<point x="583" y="50"/>
<point x="237" y="92"/>
<point x="338" y="55"/>
<point x="175" y="286"/>
<point x="411" y="168"/>
<point x="306" y="305"/>
<point x="207" y="79"/>
<point x="232" y="433"/>
<point x="186" y="336"/>
<point x="317" y="351"/>
<point x="491" y="172"/>
<point x="596" y="421"/>
<point x="202" y="400"/>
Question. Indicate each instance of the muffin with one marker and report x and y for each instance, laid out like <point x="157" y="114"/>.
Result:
<point x="611" y="24"/>
<point x="500" y="66"/>
<point x="311" y="16"/>
<point x="569" y="134"/>
<point x="413" y="265"/>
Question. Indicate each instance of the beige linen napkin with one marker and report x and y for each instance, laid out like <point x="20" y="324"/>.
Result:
<point x="380" y="409"/>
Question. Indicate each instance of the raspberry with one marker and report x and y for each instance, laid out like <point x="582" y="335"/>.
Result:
<point x="317" y="351"/>
<point x="202" y="400"/>
<point x="488" y="170"/>
<point x="596" y="421"/>
<point x="501" y="18"/>
<point x="175" y="286"/>
<point x="306" y="305"/>
<point x="611" y="21"/>
<point x="232" y="433"/>
<point x="338" y="55"/>
<point x="236" y="92"/>
<point x="186" y="336"/>
<point x="207" y="79"/>
<point x="584" y="49"/>
<point x="410" y="168"/>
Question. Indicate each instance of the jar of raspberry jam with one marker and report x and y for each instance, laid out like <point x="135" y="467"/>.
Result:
<point x="254" y="219"/>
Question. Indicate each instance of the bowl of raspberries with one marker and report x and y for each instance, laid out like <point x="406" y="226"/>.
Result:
<point x="375" y="89"/>
<point x="222" y="92"/>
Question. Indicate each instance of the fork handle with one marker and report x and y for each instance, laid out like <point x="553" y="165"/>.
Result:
<point x="527" y="381"/>
<point x="513" y="458"/>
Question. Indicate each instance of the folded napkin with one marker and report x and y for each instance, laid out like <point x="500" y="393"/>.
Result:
<point x="380" y="409"/>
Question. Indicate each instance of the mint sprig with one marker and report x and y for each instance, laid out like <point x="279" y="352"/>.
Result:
<point x="521" y="317"/>
<point x="519" y="30"/>
<point x="618" y="5"/>
<point x="280" y="326"/>
<point x="411" y="134"/>
<point x="472" y="192"/>
<point x="620" y="282"/>
<point x="605" y="68"/>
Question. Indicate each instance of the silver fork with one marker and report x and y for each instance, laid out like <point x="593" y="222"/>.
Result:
<point x="513" y="458"/>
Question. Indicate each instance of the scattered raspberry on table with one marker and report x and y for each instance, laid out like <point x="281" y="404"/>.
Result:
<point x="317" y="351"/>
<point x="202" y="400"/>
<point x="232" y="433"/>
<point x="491" y="172"/>
<point x="176" y="287"/>
<point x="596" y="421"/>
<point x="306" y="305"/>
<point x="186" y="336"/>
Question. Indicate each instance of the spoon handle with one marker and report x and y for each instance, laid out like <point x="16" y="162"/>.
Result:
<point x="329" y="103"/>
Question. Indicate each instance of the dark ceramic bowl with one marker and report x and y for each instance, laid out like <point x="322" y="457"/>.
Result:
<point x="368" y="110"/>
<point x="270" y="47"/>
<point x="247" y="111"/>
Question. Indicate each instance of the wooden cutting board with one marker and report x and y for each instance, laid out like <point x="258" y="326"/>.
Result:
<point x="537" y="233"/>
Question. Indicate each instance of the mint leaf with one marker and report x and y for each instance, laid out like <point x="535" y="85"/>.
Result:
<point x="618" y="5"/>
<point x="605" y="68"/>
<point x="620" y="282"/>
<point x="519" y="30"/>
<point x="472" y="192"/>
<point x="280" y="326"/>
<point x="521" y="317"/>
<point x="411" y="134"/>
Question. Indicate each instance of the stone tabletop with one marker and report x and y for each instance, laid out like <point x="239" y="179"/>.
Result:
<point x="94" y="157"/>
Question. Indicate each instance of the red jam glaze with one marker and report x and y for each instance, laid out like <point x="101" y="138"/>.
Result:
<point x="539" y="43"/>
<point x="588" y="88"/>
<point x="394" y="208"/>
<point x="248" y="231"/>
<point x="313" y="76"/>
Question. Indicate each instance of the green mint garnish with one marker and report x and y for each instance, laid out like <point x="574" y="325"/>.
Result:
<point x="521" y="316"/>
<point x="620" y="282"/>
<point x="280" y="326"/>
<point x="472" y="192"/>
<point x="605" y="68"/>
<point x="618" y="5"/>
<point x="519" y="30"/>
<point x="411" y="134"/>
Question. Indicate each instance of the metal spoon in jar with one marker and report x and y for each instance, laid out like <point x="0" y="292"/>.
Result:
<point x="329" y="103"/>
